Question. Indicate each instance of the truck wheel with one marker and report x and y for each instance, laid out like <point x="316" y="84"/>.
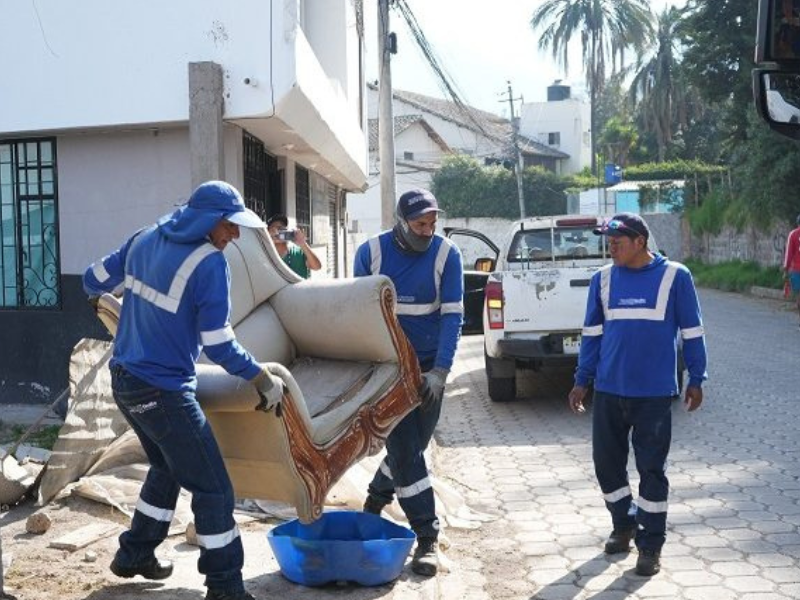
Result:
<point x="501" y="379"/>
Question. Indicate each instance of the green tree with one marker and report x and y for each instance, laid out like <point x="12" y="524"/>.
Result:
<point x="606" y="28"/>
<point x="717" y="38"/>
<point x="618" y="139"/>
<point x="664" y="101"/>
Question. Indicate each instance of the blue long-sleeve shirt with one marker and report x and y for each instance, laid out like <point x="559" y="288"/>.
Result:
<point x="176" y="303"/>
<point x="430" y="292"/>
<point x="630" y="334"/>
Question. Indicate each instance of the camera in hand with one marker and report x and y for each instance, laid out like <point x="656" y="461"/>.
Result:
<point x="286" y="235"/>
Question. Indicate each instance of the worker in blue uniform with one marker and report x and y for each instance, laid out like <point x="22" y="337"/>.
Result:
<point x="428" y="277"/>
<point x="637" y="309"/>
<point x="176" y="302"/>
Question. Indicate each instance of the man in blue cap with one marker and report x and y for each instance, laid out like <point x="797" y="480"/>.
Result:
<point x="176" y="285"/>
<point x="428" y="276"/>
<point x="637" y="308"/>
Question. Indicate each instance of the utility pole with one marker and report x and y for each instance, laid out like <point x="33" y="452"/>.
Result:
<point x="520" y="164"/>
<point x="386" y="117"/>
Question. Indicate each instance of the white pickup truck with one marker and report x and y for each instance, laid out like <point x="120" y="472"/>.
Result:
<point x="536" y="297"/>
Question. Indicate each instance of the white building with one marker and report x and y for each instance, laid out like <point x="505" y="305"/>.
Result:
<point x="110" y="114"/>
<point x="562" y="123"/>
<point x="426" y="129"/>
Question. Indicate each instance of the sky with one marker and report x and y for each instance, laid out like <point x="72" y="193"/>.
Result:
<point x="482" y="46"/>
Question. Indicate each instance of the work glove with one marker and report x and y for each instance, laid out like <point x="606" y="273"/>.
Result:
<point x="431" y="390"/>
<point x="270" y="389"/>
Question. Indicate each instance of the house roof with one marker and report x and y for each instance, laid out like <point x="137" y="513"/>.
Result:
<point x="401" y="123"/>
<point x="493" y="126"/>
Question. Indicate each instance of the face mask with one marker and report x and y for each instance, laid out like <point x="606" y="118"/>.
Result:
<point x="410" y="241"/>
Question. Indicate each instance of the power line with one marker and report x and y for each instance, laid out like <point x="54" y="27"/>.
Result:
<point x="446" y="83"/>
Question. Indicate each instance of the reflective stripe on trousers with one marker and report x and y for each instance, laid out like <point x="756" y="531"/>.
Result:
<point x="183" y="453"/>
<point x="648" y="422"/>
<point x="405" y="473"/>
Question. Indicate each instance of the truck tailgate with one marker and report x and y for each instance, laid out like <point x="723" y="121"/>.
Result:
<point x="546" y="299"/>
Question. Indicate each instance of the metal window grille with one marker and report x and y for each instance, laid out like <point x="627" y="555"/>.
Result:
<point x="303" y="201"/>
<point x="263" y="188"/>
<point x="333" y="237"/>
<point x="29" y="255"/>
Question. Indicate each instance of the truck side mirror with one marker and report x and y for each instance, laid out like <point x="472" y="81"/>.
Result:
<point x="777" y="96"/>
<point x="776" y="81"/>
<point x="485" y="265"/>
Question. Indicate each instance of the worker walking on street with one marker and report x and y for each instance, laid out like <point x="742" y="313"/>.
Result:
<point x="637" y="308"/>
<point x="176" y="303"/>
<point x="427" y="274"/>
<point x="791" y="263"/>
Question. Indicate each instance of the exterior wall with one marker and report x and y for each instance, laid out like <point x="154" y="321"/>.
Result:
<point x="130" y="59"/>
<point x="364" y="210"/>
<point x="765" y="247"/>
<point x="570" y="118"/>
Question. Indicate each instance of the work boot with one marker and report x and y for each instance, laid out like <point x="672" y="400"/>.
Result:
<point x="620" y="540"/>
<point x="220" y="595"/>
<point x="648" y="563"/>
<point x="425" y="561"/>
<point x="155" y="569"/>
<point x="373" y="505"/>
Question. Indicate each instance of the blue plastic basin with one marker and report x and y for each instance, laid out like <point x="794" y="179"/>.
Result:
<point x="341" y="546"/>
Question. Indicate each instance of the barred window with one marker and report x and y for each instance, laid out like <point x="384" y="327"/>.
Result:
<point x="29" y="256"/>
<point x="303" y="201"/>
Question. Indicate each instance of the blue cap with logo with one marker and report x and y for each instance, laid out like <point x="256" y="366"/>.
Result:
<point x="627" y="224"/>
<point x="415" y="203"/>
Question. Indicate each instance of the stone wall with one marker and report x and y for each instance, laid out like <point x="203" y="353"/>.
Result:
<point x="763" y="246"/>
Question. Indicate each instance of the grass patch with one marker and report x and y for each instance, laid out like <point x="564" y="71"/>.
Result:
<point x="44" y="437"/>
<point x="735" y="275"/>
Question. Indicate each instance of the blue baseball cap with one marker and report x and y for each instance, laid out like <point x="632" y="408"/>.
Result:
<point x="415" y="203"/>
<point x="627" y="224"/>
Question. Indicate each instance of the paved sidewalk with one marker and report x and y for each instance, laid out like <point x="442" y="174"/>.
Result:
<point x="734" y="473"/>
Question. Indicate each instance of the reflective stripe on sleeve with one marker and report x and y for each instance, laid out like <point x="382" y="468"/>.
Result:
<point x="453" y="307"/>
<point x="692" y="332"/>
<point x="592" y="331"/>
<point x="99" y="271"/>
<point x="218" y="336"/>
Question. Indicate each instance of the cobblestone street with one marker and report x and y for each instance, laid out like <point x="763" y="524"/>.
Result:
<point x="734" y="474"/>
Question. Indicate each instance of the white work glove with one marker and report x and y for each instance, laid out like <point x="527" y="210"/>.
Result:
<point x="270" y="389"/>
<point x="431" y="390"/>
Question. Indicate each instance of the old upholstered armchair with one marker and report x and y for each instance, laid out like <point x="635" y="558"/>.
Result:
<point x="350" y="376"/>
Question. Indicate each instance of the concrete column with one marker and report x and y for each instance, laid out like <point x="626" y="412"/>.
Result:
<point x="206" y="144"/>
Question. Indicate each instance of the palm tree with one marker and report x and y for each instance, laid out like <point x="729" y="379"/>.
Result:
<point x="659" y="91"/>
<point x="607" y="28"/>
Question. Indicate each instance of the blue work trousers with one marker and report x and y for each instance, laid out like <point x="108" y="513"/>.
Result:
<point x="183" y="453"/>
<point x="404" y="472"/>
<point x="647" y="423"/>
